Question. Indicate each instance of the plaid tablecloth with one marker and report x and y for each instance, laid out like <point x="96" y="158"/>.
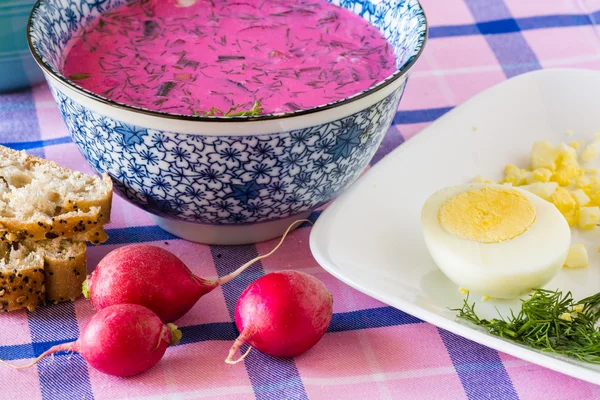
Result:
<point x="371" y="351"/>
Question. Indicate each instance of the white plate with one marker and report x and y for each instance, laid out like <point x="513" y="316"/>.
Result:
<point x="370" y="237"/>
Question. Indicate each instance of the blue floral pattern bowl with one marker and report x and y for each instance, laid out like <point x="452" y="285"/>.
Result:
<point x="228" y="180"/>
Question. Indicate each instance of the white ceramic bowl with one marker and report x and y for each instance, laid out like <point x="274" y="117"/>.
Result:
<point x="228" y="180"/>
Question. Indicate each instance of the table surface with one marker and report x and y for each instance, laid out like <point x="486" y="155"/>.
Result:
<point x="371" y="351"/>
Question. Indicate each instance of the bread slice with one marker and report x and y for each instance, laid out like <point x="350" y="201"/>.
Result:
<point x="65" y="268"/>
<point x="32" y="273"/>
<point x="21" y="277"/>
<point x="41" y="200"/>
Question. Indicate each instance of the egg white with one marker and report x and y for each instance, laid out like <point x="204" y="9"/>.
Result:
<point x="503" y="270"/>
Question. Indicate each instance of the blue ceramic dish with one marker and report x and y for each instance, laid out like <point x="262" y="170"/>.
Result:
<point x="228" y="180"/>
<point x="18" y="69"/>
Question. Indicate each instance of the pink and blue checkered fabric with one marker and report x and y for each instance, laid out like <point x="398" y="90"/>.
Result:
<point x="371" y="351"/>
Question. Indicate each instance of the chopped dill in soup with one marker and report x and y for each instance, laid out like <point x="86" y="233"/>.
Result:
<point x="228" y="57"/>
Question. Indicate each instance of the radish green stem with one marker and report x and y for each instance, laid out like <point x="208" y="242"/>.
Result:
<point x="175" y="334"/>
<point x="85" y="289"/>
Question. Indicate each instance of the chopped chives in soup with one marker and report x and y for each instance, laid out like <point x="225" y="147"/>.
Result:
<point x="233" y="57"/>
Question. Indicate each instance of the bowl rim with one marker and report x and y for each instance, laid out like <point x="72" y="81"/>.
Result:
<point x="399" y="73"/>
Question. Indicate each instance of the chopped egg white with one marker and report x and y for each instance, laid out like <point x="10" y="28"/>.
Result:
<point x="481" y="179"/>
<point x="577" y="257"/>
<point x="495" y="240"/>
<point x="589" y="217"/>
<point x="580" y="197"/>
<point x="544" y="190"/>
<point x="589" y="152"/>
<point x="565" y="317"/>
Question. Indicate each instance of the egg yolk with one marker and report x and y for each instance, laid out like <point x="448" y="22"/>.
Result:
<point x="487" y="215"/>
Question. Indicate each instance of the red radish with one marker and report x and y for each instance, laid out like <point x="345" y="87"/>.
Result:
<point x="154" y="278"/>
<point x="120" y="340"/>
<point x="282" y="314"/>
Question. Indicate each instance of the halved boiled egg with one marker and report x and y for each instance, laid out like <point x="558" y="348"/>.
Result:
<point x="495" y="240"/>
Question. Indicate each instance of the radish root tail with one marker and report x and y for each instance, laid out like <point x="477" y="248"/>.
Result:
<point x="245" y="335"/>
<point x="241" y="269"/>
<point x="233" y="362"/>
<point x="71" y="346"/>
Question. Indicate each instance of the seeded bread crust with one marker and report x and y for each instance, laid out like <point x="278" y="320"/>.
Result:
<point x="78" y="227"/>
<point x="22" y="289"/>
<point x="21" y="278"/>
<point x="64" y="271"/>
<point x="78" y="217"/>
<point x="54" y="272"/>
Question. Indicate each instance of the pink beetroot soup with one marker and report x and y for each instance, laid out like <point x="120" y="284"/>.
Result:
<point x="223" y="54"/>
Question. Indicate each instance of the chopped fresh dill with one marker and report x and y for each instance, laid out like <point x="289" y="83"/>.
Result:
<point x="548" y="321"/>
<point x="232" y="112"/>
